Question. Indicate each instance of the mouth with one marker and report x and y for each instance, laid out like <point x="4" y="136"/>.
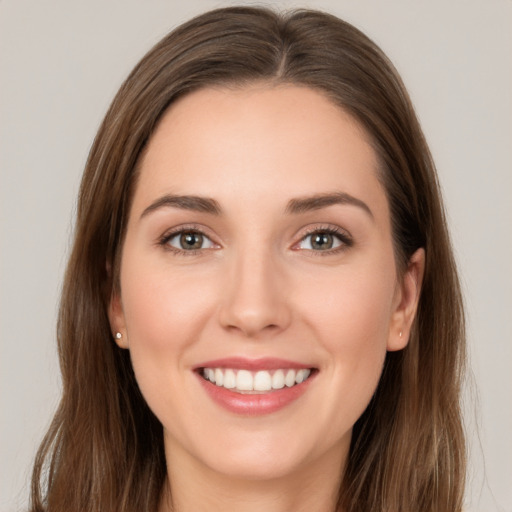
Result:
<point x="254" y="387"/>
<point x="255" y="382"/>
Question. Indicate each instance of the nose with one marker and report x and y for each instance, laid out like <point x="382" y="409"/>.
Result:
<point x="255" y="299"/>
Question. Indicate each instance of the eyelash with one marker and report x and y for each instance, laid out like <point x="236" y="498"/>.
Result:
<point x="344" y="238"/>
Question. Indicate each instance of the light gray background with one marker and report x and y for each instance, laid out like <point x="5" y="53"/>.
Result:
<point x="60" y="65"/>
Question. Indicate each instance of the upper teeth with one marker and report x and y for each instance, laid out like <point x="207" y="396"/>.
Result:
<point x="262" y="380"/>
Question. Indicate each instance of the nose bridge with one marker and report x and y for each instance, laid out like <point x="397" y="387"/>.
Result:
<point x="255" y="296"/>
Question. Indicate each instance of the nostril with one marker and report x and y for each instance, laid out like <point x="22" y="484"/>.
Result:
<point x="253" y="329"/>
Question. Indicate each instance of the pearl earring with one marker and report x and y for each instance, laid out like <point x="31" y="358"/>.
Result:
<point x="118" y="335"/>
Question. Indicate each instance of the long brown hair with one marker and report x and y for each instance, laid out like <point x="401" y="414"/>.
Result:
<point x="104" y="450"/>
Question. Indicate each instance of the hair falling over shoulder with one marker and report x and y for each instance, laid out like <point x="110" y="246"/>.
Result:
<point x="104" y="450"/>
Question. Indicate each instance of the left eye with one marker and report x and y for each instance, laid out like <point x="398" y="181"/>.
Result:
<point x="190" y="241"/>
<point x="321" y="241"/>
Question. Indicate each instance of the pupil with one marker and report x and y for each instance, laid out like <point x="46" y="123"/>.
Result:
<point x="322" y="241"/>
<point x="191" y="240"/>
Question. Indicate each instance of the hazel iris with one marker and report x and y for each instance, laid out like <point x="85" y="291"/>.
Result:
<point x="322" y="241"/>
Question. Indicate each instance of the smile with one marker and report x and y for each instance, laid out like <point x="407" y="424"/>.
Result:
<point x="253" y="387"/>
<point x="246" y="381"/>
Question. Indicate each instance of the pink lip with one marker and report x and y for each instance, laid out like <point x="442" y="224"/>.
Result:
<point x="263" y="363"/>
<point x="253" y="404"/>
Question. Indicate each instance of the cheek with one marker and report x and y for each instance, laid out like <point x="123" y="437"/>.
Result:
<point x="162" y="309"/>
<point x="353" y="309"/>
<point x="351" y="317"/>
<point x="164" y="315"/>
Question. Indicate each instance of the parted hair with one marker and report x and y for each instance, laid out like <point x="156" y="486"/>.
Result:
<point x="104" y="449"/>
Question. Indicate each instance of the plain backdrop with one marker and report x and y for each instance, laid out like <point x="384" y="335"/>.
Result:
<point x="61" y="62"/>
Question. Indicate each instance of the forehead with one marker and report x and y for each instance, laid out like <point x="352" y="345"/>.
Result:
<point x="258" y="142"/>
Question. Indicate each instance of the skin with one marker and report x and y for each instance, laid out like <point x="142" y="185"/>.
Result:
<point x="257" y="288"/>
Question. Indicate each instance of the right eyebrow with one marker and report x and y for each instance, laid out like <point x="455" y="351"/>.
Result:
<point x="194" y="203"/>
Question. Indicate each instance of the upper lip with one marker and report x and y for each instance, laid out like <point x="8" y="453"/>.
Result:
<point x="253" y="364"/>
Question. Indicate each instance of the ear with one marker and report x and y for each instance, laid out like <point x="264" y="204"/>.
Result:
<point x="406" y="302"/>
<point x="116" y="318"/>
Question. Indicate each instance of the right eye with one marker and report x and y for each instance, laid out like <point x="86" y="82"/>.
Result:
<point x="189" y="241"/>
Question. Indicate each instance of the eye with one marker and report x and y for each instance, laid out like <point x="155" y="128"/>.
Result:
<point x="189" y="241"/>
<point x="324" y="240"/>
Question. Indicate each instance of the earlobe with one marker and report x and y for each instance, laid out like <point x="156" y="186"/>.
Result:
<point x="116" y="318"/>
<point x="408" y="295"/>
<point x="120" y="340"/>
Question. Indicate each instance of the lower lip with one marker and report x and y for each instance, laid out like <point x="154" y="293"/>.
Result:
<point x="255" y="404"/>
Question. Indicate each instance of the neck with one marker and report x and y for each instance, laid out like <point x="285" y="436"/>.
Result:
<point x="312" y="488"/>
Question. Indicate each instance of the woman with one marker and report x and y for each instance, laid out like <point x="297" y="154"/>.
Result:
<point x="261" y="309"/>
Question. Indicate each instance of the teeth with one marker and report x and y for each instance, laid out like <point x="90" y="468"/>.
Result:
<point x="302" y="375"/>
<point x="262" y="381"/>
<point x="289" y="380"/>
<point x="247" y="381"/>
<point x="278" y="380"/>
<point x="219" y="377"/>
<point x="229" y="379"/>
<point x="244" y="380"/>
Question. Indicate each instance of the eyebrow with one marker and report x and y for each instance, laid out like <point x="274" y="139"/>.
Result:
<point x="194" y="203"/>
<point x="318" y="201"/>
<point x="294" y="206"/>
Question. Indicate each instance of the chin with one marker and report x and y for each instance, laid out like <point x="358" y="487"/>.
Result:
<point x="258" y="466"/>
<point x="268" y="454"/>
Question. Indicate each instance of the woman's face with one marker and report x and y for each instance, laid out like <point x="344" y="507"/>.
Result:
<point x="259" y="253"/>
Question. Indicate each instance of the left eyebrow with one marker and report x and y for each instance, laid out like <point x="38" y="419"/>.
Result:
<point x="318" y="201"/>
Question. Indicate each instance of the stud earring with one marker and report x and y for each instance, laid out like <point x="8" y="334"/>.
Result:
<point x="119" y="335"/>
<point x="400" y="334"/>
